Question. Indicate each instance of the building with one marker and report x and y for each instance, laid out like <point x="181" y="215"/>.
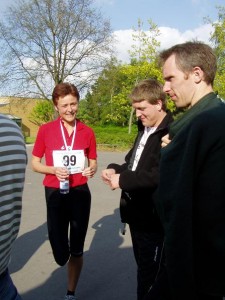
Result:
<point x="19" y="109"/>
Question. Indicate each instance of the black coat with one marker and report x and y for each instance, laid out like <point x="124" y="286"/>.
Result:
<point x="191" y="204"/>
<point x="136" y="205"/>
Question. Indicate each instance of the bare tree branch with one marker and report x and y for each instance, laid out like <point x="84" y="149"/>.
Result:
<point x="50" y="41"/>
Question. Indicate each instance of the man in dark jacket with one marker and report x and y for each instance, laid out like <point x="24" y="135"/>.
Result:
<point x="191" y="193"/>
<point x="138" y="178"/>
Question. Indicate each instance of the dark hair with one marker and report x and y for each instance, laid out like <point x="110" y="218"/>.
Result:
<point x="150" y="90"/>
<point x="192" y="54"/>
<point x="63" y="89"/>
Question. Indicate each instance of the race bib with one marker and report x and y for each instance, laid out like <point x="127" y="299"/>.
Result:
<point x="73" y="160"/>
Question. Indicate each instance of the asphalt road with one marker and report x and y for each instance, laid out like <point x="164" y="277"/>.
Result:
<point x="109" y="271"/>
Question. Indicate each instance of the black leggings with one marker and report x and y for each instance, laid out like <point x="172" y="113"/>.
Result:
<point x="64" y="212"/>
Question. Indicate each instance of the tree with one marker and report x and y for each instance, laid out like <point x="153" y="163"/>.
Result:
<point x="99" y="97"/>
<point x="121" y="102"/>
<point x="145" y="42"/>
<point x="43" y="112"/>
<point x="144" y="50"/>
<point x="109" y="96"/>
<point x="144" y="55"/>
<point x="108" y="99"/>
<point x="50" y="41"/>
<point x="218" y="39"/>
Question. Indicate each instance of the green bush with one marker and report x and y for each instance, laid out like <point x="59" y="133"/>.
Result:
<point x="109" y="137"/>
<point x="115" y="137"/>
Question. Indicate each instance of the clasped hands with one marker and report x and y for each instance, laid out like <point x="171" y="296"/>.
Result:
<point x="110" y="178"/>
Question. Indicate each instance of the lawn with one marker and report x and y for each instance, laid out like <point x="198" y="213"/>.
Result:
<point x="109" y="137"/>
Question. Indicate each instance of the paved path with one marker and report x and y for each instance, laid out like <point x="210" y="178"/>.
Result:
<point x="109" y="271"/>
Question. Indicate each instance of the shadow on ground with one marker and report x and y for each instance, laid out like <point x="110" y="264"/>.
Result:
<point x="109" y="269"/>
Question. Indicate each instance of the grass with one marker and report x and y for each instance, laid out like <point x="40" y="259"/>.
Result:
<point x="29" y="140"/>
<point x="112" y="138"/>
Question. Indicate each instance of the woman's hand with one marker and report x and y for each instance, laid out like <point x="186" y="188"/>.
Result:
<point x="89" y="172"/>
<point x="61" y="173"/>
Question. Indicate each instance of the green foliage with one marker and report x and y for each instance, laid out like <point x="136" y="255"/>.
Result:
<point x="146" y="43"/>
<point x="115" y="136"/>
<point x="121" y="111"/>
<point x="218" y="39"/>
<point x="43" y="112"/>
<point x="108" y="101"/>
<point x="83" y="112"/>
<point x="109" y="137"/>
<point x="171" y="106"/>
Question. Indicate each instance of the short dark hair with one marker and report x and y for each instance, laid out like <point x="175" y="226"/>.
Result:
<point x="63" y="89"/>
<point x="193" y="54"/>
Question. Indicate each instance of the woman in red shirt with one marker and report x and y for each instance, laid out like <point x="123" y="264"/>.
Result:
<point x="69" y="148"/>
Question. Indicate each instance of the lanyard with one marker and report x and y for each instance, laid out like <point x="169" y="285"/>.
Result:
<point x="68" y="148"/>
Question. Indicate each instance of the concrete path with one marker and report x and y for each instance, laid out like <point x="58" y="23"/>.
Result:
<point x="109" y="271"/>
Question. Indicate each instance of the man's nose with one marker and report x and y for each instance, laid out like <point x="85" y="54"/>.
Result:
<point x="166" y="87"/>
<point x="138" y="113"/>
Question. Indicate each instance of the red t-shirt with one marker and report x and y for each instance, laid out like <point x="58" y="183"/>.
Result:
<point x="50" y="138"/>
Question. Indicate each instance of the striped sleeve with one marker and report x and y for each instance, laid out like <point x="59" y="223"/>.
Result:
<point x="13" y="160"/>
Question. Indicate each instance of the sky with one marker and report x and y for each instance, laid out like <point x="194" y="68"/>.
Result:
<point x="177" y="20"/>
<point x="180" y="14"/>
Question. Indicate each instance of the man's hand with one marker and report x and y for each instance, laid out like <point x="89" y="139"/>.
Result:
<point x="110" y="177"/>
<point x="165" y="140"/>
<point x="106" y="175"/>
<point x="114" y="181"/>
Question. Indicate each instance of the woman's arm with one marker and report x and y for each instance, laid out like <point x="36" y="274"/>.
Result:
<point x="38" y="166"/>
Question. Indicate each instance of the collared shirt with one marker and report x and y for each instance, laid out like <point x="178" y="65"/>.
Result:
<point x="147" y="132"/>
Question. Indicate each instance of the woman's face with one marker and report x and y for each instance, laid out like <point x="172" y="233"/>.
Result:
<point x="67" y="108"/>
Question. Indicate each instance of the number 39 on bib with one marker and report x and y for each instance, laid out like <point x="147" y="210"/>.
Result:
<point x="74" y="160"/>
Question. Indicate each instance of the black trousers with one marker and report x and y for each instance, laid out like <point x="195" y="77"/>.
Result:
<point x="208" y="297"/>
<point x="161" y="291"/>
<point x="147" y="248"/>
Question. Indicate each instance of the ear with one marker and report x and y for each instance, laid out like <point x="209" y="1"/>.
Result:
<point x="198" y="74"/>
<point x="159" y="105"/>
<point x="56" y="108"/>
